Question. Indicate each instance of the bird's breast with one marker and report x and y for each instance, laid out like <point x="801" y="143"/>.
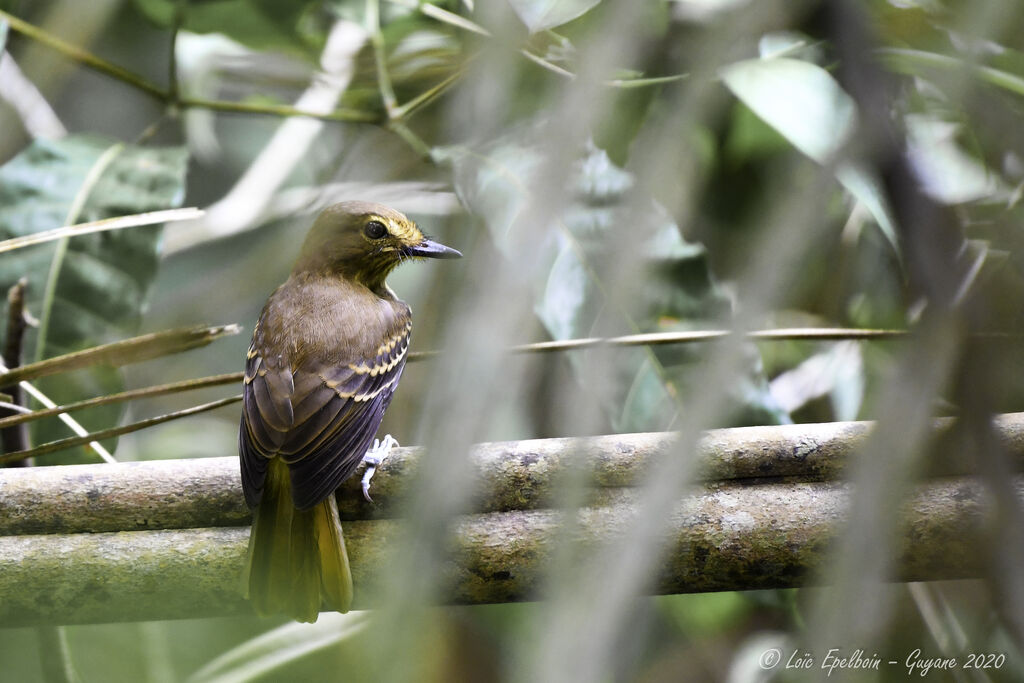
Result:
<point x="333" y="323"/>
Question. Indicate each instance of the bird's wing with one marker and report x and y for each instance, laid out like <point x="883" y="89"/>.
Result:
<point x="319" y="417"/>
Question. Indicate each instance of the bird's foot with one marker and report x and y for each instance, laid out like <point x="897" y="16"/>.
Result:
<point x="375" y="456"/>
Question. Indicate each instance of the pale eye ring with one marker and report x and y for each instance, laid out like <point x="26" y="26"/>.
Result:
<point x="375" y="230"/>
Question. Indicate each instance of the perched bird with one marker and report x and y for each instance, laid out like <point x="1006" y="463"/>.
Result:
<point x="326" y="355"/>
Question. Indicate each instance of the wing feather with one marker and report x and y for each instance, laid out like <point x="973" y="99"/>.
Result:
<point x="319" y="417"/>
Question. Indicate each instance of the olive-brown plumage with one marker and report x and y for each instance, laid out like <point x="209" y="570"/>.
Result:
<point x="326" y="355"/>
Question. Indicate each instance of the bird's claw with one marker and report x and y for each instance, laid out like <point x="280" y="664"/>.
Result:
<point x="374" y="457"/>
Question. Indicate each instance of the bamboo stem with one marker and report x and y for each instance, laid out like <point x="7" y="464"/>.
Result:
<point x="512" y="475"/>
<point x="729" y="538"/>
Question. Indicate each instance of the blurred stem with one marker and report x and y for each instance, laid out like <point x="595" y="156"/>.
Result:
<point x="911" y="61"/>
<point x="172" y="61"/>
<point x="396" y="114"/>
<point x="55" y="655"/>
<point x="284" y="110"/>
<point x="553" y="68"/>
<point x="387" y="92"/>
<point x="416" y="142"/>
<point x="412" y="106"/>
<point x="450" y="18"/>
<point x="151" y="129"/>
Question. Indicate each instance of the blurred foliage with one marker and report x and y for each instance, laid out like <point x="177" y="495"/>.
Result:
<point x="261" y="24"/>
<point x="89" y="289"/>
<point x="670" y="288"/>
<point x="671" y="188"/>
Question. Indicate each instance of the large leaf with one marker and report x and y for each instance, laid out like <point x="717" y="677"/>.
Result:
<point x="540" y="15"/>
<point x="673" y="288"/>
<point x="798" y="99"/>
<point x="89" y="289"/>
<point x="807" y="106"/>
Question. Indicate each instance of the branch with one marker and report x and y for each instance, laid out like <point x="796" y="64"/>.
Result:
<point x="510" y="475"/>
<point x="169" y="537"/>
<point x="728" y="538"/>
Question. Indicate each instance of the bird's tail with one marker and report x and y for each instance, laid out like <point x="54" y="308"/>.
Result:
<point x="297" y="560"/>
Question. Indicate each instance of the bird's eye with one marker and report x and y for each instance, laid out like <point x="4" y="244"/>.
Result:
<point x="375" y="230"/>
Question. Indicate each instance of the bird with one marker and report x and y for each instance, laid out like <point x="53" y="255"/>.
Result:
<point x="326" y="355"/>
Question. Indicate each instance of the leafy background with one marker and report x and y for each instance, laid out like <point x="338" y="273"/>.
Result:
<point x="607" y="168"/>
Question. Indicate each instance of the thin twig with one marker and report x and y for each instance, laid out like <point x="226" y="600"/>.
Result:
<point x="71" y="422"/>
<point x="410" y="138"/>
<point x="55" y="655"/>
<point x="115" y="431"/>
<point x="147" y="392"/>
<point x="910" y="61"/>
<point x="409" y="108"/>
<point x="341" y="114"/>
<point x="133" y="350"/>
<point x="172" y="62"/>
<point x="119" y="223"/>
<point x="694" y="337"/>
<point x="649" y="339"/>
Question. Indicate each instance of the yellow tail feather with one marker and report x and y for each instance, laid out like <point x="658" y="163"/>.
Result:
<point x="297" y="561"/>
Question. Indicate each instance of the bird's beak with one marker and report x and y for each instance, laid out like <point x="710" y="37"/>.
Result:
<point x="432" y="249"/>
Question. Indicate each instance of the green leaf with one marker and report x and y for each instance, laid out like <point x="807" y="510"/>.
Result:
<point x="672" y="288"/>
<point x="88" y="289"/>
<point x="946" y="172"/>
<point x="259" y="24"/>
<point x="798" y="99"/>
<point x="540" y="15"/>
<point x="866" y="189"/>
<point x="805" y="105"/>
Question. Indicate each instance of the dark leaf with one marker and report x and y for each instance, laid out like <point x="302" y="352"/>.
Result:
<point x="89" y="289"/>
<point x="540" y="15"/>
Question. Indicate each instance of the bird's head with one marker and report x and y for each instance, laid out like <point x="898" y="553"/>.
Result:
<point x="363" y="242"/>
